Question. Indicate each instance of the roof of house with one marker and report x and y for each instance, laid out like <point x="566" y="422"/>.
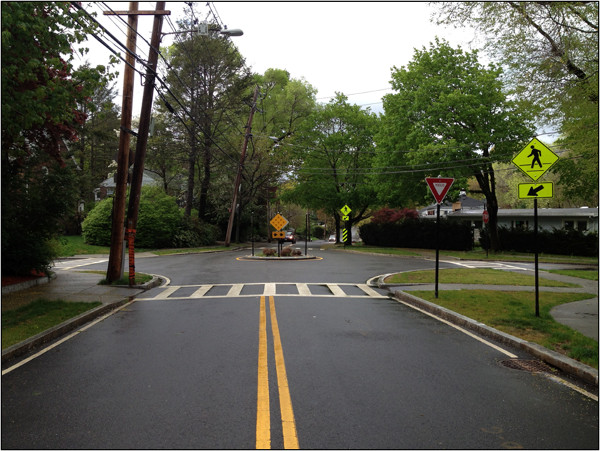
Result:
<point x="148" y="179"/>
<point x="583" y="212"/>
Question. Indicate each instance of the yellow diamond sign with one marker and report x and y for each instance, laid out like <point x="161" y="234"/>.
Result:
<point x="535" y="159"/>
<point x="345" y="210"/>
<point x="279" y="222"/>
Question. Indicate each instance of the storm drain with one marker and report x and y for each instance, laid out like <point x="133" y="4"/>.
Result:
<point x="533" y="366"/>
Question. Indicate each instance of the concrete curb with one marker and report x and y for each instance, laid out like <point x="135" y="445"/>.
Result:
<point x="30" y="283"/>
<point x="65" y="327"/>
<point x="566" y="364"/>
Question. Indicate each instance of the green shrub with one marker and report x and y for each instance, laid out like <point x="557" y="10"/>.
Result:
<point x="195" y="233"/>
<point x="159" y="221"/>
<point x="418" y="233"/>
<point x="36" y="193"/>
<point x="557" y="241"/>
<point x="96" y="227"/>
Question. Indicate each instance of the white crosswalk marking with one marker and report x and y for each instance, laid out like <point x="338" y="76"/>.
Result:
<point x="254" y="290"/>
<point x="482" y="264"/>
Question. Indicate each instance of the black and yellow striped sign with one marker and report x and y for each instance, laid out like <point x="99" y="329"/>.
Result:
<point x="344" y="235"/>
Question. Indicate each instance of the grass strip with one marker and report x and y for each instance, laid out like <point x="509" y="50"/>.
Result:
<point x="514" y="313"/>
<point x="475" y="254"/>
<point x="589" y="274"/>
<point x="483" y="276"/>
<point x="38" y="316"/>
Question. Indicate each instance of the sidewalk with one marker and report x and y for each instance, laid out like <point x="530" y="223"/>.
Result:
<point x="70" y="286"/>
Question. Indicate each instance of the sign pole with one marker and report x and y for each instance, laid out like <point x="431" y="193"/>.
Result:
<point x="437" y="249"/>
<point x="535" y="244"/>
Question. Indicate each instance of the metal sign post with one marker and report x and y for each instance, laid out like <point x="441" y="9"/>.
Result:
<point x="534" y="160"/>
<point x="439" y="187"/>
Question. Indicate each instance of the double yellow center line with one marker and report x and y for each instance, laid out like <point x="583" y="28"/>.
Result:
<point x="263" y="412"/>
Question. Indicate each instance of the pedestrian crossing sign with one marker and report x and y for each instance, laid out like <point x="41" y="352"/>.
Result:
<point x="535" y="159"/>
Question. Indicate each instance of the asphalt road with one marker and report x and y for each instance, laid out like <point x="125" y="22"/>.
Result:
<point x="238" y="354"/>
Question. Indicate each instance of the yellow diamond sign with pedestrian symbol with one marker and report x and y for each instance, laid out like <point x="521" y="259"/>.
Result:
<point x="535" y="159"/>
<point x="345" y="210"/>
<point x="279" y="222"/>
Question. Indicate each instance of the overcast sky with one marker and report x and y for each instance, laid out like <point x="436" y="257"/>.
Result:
<point x="348" y="47"/>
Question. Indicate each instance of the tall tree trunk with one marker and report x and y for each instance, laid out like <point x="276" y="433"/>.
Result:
<point x="205" y="184"/>
<point x="189" y="196"/>
<point x="487" y="183"/>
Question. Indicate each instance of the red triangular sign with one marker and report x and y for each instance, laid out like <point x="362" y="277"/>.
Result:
<point x="439" y="187"/>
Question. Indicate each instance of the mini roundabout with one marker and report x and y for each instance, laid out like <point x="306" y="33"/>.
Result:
<point x="287" y="253"/>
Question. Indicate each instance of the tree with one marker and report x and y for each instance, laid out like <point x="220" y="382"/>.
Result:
<point x="209" y="77"/>
<point x="550" y="52"/>
<point x="283" y="105"/>
<point x="450" y="115"/>
<point x="98" y="140"/>
<point x="41" y="99"/>
<point x="334" y="153"/>
<point x="166" y="153"/>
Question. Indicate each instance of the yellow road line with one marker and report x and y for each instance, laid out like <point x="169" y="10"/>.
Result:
<point x="263" y="412"/>
<point x="288" y="423"/>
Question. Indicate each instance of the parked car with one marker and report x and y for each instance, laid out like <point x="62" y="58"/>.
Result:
<point x="290" y="235"/>
<point x="332" y="238"/>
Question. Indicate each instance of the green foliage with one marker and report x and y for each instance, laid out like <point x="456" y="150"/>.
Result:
<point x="195" y="233"/>
<point x="334" y="152"/>
<point x="557" y="241"/>
<point x="449" y="116"/>
<point x="550" y="53"/>
<point x="418" y="233"/>
<point x="159" y="220"/>
<point x="36" y="192"/>
<point x="41" y="100"/>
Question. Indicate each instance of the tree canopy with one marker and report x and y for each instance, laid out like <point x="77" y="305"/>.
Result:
<point x="449" y="116"/>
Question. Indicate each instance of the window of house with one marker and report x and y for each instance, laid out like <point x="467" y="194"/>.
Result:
<point x="582" y="226"/>
<point x="569" y="225"/>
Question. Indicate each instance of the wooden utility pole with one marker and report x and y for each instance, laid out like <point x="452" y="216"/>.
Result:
<point x="238" y="178"/>
<point x="142" y="139"/>
<point x="115" y="260"/>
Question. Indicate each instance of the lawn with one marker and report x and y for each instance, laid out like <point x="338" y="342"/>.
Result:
<point x="483" y="276"/>
<point x="589" y="274"/>
<point x="69" y="246"/>
<point x="514" y="313"/>
<point x="38" y="316"/>
<point x="475" y="254"/>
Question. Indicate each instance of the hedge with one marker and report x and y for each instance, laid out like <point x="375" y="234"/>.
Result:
<point x="160" y="223"/>
<point x="557" y="241"/>
<point x="418" y="233"/>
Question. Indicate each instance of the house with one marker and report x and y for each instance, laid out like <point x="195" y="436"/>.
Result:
<point x="583" y="219"/>
<point x="464" y="203"/>
<point x="469" y="209"/>
<point x="107" y="187"/>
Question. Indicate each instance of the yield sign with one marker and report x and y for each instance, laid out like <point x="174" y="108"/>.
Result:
<point x="439" y="186"/>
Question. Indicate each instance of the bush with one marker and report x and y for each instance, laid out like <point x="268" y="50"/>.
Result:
<point x="159" y="221"/>
<point x="36" y="194"/>
<point x="557" y="241"/>
<point x="418" y="233"/>
<point x="96" y="227"/>
<point x="318" y="232"/>
<point x="195" y="233"/>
